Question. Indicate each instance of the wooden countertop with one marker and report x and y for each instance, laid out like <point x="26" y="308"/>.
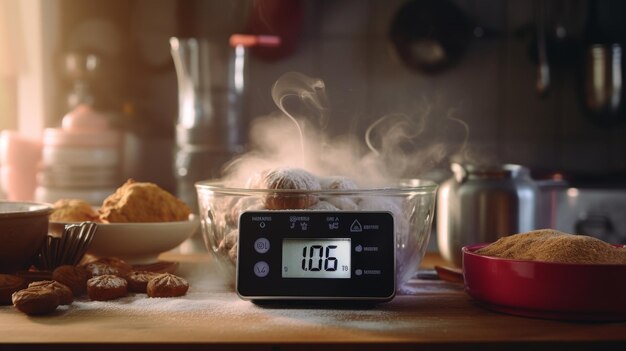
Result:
<point x="434" y="315"/>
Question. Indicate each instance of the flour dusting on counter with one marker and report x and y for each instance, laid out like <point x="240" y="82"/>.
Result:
<point x="208" y="297"/>
<point x="212" y="305"/>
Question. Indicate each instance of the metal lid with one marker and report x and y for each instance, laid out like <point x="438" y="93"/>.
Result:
<point x="497" y="171"/>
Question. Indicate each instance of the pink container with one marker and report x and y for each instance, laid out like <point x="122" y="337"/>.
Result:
<point x="19" y="158"/>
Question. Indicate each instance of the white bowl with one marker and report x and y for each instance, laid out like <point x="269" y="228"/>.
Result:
<point x="139" y="243"/>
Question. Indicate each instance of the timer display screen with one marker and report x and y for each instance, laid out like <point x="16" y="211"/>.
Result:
<point x="316" y="258"/>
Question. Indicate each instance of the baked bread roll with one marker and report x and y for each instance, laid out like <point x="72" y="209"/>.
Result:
<point x="73" y="210"/>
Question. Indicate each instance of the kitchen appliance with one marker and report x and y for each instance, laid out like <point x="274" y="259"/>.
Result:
<point x="316" y="255"/>
<point x="411" y="203"/>
<point x="212" y="125"/>
<point x="598" y="212"/>
<point x="210" y="128"/>
<point x="483" y="203"/>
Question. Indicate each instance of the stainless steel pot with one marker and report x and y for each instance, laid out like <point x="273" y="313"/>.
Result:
<point x="483" y="203"/>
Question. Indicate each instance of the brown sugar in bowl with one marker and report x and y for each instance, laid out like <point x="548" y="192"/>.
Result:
<point x="23" y="229"/>
<point x="549" y="290"/>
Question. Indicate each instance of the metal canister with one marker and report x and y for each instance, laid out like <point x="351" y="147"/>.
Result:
<point x="483" y="203"/>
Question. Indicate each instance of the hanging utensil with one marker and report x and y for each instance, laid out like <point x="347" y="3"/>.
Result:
<point x="430" y="35"/>
<point x="543" y="69"/>
<point x="603" y="76"/>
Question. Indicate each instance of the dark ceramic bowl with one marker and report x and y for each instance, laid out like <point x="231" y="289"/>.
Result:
<point x="23" y="229"/>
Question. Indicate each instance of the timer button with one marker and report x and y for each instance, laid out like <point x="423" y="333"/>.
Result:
<point x="262" y="245"/>
<point x="261" y="269"/>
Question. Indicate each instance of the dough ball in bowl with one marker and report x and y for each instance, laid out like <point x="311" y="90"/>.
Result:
<point x="287" y="181"/>
<point x="342" y="184"/>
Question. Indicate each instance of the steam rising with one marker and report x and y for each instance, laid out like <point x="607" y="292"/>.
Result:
<point x="391" y="148"/>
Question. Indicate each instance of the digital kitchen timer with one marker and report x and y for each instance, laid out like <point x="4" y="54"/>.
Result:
<point x="316" y="255"/>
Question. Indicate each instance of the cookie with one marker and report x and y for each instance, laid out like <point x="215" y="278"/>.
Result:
<point x="73" y="277"/>
<point x="65" y="294"/>
<point x="108" y="266"/>
<point x="167" y="285"/>
<point x="8" y="285"/>
<point x="35" y="301"/>
<point x="106" y="287"/>
<point x="138" y="280"/>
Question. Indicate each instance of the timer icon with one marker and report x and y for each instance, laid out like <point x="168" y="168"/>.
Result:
<point x="262" y="245"/>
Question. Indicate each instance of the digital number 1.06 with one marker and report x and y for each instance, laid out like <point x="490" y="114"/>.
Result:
<point x="316" y="258"/>
<point x="316" y="255"/>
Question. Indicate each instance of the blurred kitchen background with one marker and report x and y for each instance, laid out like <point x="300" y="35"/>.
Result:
<point x="536" y="83"/>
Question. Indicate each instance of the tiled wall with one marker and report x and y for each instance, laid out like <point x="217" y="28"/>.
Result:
<point x="346" y="43"/>
<point x="492" y="89"/>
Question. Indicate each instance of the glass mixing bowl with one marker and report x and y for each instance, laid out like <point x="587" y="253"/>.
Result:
<point x="410" y="201"/>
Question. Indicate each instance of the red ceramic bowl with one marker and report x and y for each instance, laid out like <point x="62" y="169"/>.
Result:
<point x="545" y="289"/>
